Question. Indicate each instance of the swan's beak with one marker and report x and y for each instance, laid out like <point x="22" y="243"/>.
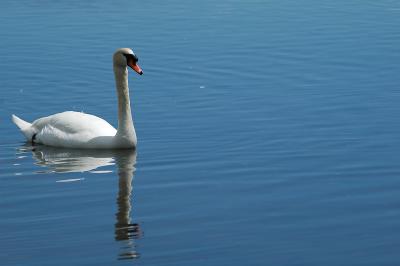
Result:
<point x="135" y="67"/>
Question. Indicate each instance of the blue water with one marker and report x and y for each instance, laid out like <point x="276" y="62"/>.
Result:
<point x="268" y="133"/>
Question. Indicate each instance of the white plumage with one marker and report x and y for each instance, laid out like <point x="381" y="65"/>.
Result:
<point x="79" y="130"/>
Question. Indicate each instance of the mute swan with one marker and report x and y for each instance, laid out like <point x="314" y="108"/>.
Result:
<point x="78" y="130"/>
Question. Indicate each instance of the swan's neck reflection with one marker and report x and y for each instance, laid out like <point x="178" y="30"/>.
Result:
<point x="125" y="230"/>
<point x="73" y="160"/>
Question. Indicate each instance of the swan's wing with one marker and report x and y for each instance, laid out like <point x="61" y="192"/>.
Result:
<point x="71" y="129"/>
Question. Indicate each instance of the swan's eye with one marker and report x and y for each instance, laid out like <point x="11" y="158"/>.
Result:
<point x="132" y="57"/>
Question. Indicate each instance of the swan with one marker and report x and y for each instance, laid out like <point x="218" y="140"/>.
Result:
<point x="79" y="130"/>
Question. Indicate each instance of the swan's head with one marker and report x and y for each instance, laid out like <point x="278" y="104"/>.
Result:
<point x="124" y="57"/>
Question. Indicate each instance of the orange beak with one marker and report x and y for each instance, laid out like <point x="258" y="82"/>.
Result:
<point x="135" y="67"/>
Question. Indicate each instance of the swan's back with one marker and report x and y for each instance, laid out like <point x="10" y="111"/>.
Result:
<point x="73" y="129"/>
<point x="76" y="122"/>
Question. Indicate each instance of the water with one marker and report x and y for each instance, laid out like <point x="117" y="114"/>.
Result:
<point x="268" y="133"/>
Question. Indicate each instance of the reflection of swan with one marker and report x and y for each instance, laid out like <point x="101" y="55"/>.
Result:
<point x="73" y="160"/>
<point x="125" y="230"/>
<point x="79" y="130"/>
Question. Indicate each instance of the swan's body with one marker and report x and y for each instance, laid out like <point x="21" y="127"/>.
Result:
<point x="79" y="130"/>
<point x="72" y="130"/>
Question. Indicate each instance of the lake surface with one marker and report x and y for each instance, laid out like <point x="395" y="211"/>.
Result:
<point x="268" y="133"/>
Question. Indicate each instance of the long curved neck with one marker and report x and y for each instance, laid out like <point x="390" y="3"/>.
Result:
<point x="125" y="122"/>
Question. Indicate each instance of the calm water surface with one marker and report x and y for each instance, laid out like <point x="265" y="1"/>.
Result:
<point x="268" y="133"/>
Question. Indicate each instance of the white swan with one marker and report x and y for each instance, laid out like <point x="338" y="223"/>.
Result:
<point x="78" y="130"/>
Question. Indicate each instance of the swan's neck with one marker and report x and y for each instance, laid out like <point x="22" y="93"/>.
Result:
<point x="126" y="131"/>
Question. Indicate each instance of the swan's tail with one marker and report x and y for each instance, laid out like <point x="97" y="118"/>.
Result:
<point x="25" y="127"/>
